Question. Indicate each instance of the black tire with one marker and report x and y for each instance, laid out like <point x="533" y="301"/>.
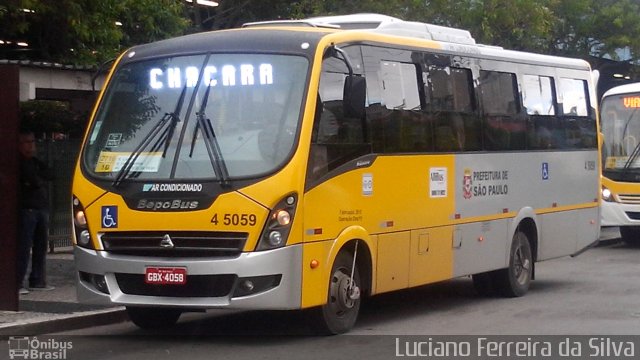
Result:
<point x="514" y="281"/>
<point x="340" y="312"/>
<point x="153" y="318"/>
<point x="630" y="235"/>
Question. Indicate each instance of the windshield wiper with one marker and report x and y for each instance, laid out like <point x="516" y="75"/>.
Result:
<point x="626" y="124"/>
<point x="165" y="138"/>
<point x="211" y="142"/>
<point x="632" y="158"/>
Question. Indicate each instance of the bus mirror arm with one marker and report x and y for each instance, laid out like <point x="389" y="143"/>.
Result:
<point x="355" y="86"/>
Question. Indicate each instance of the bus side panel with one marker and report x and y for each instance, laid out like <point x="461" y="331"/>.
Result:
<point x="393" y="261"/>
<point x="587" y="235"/>
<point x="558" y="237"/>
<point x="557" y="185"/>
<point x="314" y="291"/>
<point x="431" y="256"/>
<point x="480" y="247"/>
<point x="393" y="195"/>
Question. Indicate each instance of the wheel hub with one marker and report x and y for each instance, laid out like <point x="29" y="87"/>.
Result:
<point x="343" y="295"/>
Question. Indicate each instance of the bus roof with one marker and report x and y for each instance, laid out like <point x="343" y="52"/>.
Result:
<point x="287" y="36"/>
<point x="623" y="89"/>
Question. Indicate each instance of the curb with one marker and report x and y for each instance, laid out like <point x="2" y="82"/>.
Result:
<point x="66" y="322"/>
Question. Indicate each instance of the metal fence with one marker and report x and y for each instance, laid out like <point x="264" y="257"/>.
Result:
<point x="61" y="157"/>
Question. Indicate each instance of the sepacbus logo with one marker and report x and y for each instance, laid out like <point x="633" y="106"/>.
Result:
<point x="167" y="205"/>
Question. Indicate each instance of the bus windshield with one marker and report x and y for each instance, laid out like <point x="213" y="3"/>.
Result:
<point x="208" y="116"/>
<point x="620" y="118"/>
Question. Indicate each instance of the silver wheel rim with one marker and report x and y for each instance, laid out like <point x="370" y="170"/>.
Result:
<point x="339" y="301"/>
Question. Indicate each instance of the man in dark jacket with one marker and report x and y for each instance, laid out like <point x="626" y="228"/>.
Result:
<point x="34" y="215"/>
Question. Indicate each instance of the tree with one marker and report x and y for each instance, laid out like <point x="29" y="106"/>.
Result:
<point x="579" y="28"/>
<point x="596" y="27"/>
<point x="85" y="31"/>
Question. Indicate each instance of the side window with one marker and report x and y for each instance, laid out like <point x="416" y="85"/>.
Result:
<point x="545" y="128"/>
<point x="450" y="104"/>
<point x="395" y="120"/>
<point x="399" y="84"/>
<point x="498" y="93"/>
<point x="579" y="127"/>
<point x="504" y="127"/>
<point x="448" y="89"/>
<point x="336" y="138"/>
<point x="538" y="95"/>
<point x="574" y="98"/>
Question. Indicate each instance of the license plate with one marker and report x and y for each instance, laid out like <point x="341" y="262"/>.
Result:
<point x="165" y="276"/>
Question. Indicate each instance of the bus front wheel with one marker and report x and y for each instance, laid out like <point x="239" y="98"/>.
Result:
<point x="340" y="312"/>
<point x="514" y="281"/>
<point x="151" y="318"/>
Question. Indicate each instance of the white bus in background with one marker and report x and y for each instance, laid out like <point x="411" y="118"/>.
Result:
<point x="620" y="124"/>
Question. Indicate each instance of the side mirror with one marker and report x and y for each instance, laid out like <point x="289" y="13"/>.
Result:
<point x="354" y="96"/>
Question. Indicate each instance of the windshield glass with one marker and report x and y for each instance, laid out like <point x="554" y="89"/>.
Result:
<point x="621" y="129"/>
<point x="154" y="111"/>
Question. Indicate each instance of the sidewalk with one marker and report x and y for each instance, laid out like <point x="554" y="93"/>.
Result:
<point x="43" y="312"/>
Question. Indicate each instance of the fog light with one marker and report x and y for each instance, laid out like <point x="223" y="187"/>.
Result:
<point x="100" y="283"/>
<point x="248" y="286"/>
<point x="256" y="284"/>
<point x="275" y="238"/>
<point x="85" y="238"/>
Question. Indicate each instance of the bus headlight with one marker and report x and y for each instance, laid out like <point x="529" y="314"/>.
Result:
<point x="80" y="226"/>
<point x="607" y="195"/>
<point x="276" y="230"/>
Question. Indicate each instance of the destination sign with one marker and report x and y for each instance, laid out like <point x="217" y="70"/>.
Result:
<point x="631" y="102"/>
<point x="227" y="75"/>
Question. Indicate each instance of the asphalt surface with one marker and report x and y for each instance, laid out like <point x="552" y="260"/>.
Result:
<point x="43" y="312"/>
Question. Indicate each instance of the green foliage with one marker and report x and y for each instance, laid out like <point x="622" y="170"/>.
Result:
<point x="45" y="116"/>
<point x="85" y="31"/>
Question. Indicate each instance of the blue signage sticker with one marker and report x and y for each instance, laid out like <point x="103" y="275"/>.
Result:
<point x="545" y="171"/>
<point x="109" y="217"/>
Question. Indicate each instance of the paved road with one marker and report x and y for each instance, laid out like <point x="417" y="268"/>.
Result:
<point x="597" y="293"/>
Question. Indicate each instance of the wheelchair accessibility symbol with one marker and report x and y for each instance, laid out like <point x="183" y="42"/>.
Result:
<point x="545" y="171"/>
<point x="109" y="217"/>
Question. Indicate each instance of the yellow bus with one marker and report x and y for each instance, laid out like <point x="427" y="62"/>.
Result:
<point x="310" y="164"/>
<point x="620" y="124"/>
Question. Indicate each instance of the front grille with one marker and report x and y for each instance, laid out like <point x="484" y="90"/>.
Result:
<point x="631" y="199"/>
<point x="196" y="286"/>
<point x="185" y="243"/>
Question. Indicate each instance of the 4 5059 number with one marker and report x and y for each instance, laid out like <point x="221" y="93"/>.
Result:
<point x="235" y="219"/>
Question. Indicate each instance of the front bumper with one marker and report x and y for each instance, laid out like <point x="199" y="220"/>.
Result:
<point x="617" y="214"/>
<point x="284" y="264"/>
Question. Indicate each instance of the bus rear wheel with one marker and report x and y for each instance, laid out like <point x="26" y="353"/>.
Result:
<point x="340" y="312"/>
<point x="150" y="318"/>
<point x="630" y="235"/>
<point x="514" y="281"/>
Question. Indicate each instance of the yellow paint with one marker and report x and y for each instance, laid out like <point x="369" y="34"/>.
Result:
<point x="393" y="261"/>
<point x="133" y="220"/>
<point x="433" y="262"/>
<point x="621" y="187"/>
